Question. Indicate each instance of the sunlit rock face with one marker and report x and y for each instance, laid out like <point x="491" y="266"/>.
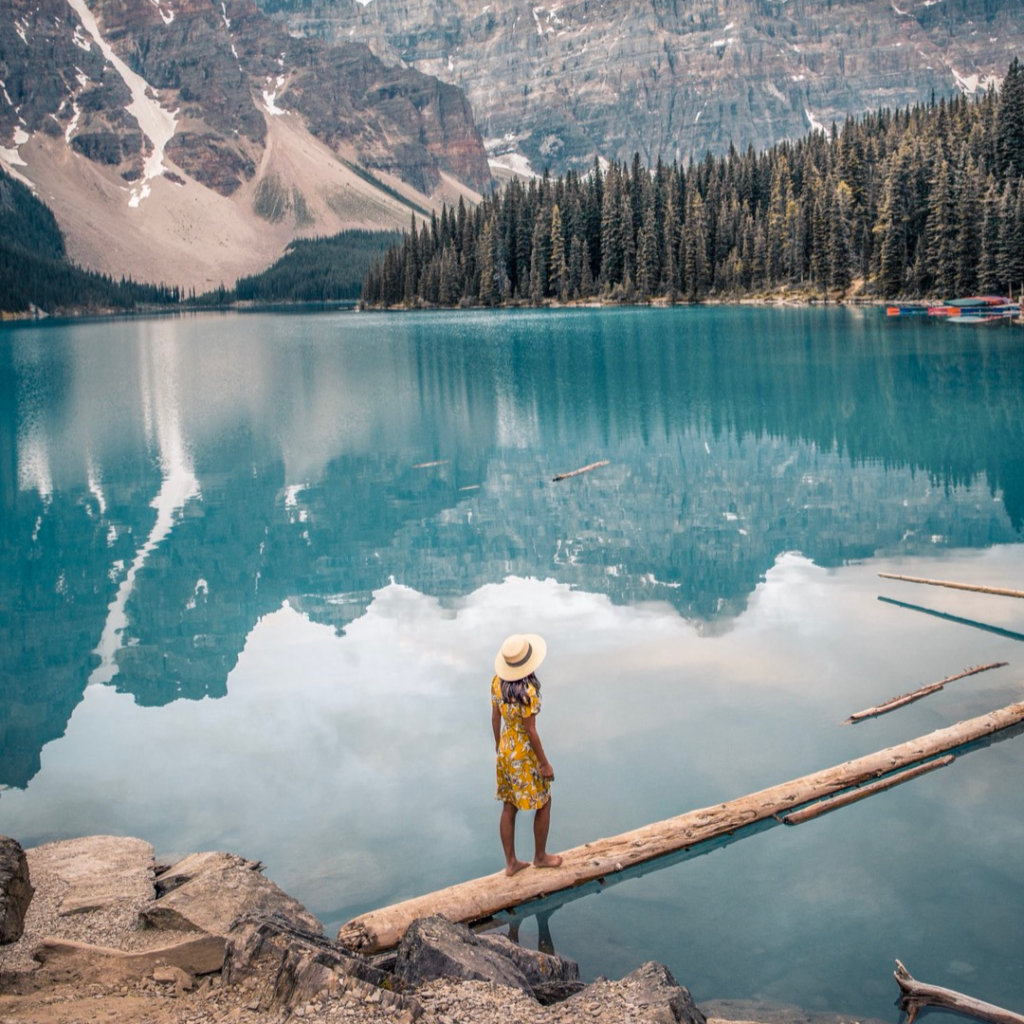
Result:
<point x="220" y="70"/>
<point x="558" y="82"/>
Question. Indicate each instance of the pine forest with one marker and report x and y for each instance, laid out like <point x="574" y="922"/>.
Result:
<point x="922" y="202"/>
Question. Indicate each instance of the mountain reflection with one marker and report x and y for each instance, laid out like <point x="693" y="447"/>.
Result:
<point x="165" y="484"/>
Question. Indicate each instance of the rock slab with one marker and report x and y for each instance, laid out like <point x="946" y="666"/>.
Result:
<point x="210" y="891"/>
<point x="15" y="890"/>
<point x="434" y="948"/>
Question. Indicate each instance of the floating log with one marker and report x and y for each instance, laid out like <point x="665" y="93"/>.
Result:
<point x="954" y="586"/>
<point x="431" y="465"/>
<point x="908" y="698"/>
<point x="916" y="994"/>
<point x="582" y="469"/>
<point x="851" y="796"/>
<point x="484" y="897"/>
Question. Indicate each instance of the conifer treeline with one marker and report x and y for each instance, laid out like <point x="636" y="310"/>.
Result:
<point x="928" y="201"/>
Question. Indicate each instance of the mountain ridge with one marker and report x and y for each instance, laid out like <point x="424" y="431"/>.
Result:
<point x="559" y="82"/>
<point x="189" y="142"/>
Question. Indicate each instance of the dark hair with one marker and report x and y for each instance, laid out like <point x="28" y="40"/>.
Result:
<point x="513" y="691"/>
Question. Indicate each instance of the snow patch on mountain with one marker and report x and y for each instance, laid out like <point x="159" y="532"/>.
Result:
<point x="157" y="124"/>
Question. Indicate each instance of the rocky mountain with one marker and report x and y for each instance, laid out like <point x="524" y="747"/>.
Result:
<point x="557" y="82"/>
<point x="190" y="140"/>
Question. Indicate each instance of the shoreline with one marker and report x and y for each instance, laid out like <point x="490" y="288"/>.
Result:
<point x="111" y="934"/>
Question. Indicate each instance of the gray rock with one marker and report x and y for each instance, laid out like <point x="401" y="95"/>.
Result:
<point x="210" y="891"/>
<point x="288" y="967"/>
<point x="434" y="947"/>
<point x="15" y="890"/>
<point x="552" y="978"/>
<point x="651" y="985"/>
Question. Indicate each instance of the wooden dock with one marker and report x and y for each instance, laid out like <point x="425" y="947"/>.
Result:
<point x="484" y="897"/>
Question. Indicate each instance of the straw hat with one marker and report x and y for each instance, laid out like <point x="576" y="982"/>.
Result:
<point x="520" y="655"/>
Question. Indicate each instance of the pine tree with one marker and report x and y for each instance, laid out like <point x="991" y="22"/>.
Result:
<point x="559" y="265"/>
<point x="1010" y="123"/>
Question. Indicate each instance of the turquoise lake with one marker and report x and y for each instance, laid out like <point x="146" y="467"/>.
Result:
<point x="254" y="570"/>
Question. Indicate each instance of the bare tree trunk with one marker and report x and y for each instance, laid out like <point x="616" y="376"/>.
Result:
<point x="954" y="586"/>
<point x="582" y="469"/>
<point x="908" y="698"/>
<point x="851" y="796"/>
<point x="916" y="994"/>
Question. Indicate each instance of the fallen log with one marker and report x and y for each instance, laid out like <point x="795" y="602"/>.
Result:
<point x="916" y="994"/>
<point x="908" y="698"/>
<point x="484" y="897"/>
<point x="851" y="796"/>
<point x="582" y="469"/>
<point x="954" y="586"/>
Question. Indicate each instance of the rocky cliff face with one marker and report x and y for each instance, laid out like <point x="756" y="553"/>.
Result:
<point x="558" y="82"/>
<point x="169" y="107"/>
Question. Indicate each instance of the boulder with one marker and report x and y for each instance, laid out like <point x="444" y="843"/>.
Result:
<point x="434" y="947"/>
<point x="287" y="967"/>
<point x="210" y="891"/>
<point x="15" y="890"/>
<point x="552" y="978"/>
<point x="650" y="987"/>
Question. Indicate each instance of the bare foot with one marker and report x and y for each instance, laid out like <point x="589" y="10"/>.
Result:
<point x="549" y="860"/>
<point x="516" y="865"/>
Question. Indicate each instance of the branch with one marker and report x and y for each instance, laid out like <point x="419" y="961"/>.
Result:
<point x="916" y="994"/>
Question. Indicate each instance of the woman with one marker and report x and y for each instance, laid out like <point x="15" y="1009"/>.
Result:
<point x="524" y="772"/>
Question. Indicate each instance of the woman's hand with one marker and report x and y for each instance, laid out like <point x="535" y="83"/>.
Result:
<point x="547" y="772"/>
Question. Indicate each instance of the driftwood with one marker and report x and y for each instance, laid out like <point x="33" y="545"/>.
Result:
<point x="908" y="698"/>
<point x="954" y="586"/>
<point x="853" y="795"/>
<point x="431" y="465"/>
<point x="582" y="469"/>
<point x="916" y="994"/>
<point x="484" y="897"/>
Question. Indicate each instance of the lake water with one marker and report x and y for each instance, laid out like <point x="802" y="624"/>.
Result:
<point x="255" y="570"/>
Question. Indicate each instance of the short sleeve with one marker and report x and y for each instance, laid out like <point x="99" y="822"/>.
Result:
<point x="533" y="701"/>
<point x="496" y="690"/>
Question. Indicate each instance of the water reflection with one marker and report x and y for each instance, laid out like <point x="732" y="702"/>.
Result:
<point x="167" y="484"/>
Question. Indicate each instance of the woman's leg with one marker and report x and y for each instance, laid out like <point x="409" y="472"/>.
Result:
<point x="507" y="830"/>
<point x="541" y="824"/>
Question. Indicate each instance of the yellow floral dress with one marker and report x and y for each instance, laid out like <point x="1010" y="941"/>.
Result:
<point x="518" y="770"/>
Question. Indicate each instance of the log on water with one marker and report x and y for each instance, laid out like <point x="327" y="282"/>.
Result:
<point x="582" y="469"/>
<point x="954" y="586"/>
<point x="908" y="698"/>
<point x="484" y="897"/>
<point x="851" y="796"/>
<point x="916" y="994"/>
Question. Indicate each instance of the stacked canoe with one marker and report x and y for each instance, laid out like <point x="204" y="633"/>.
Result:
<point x="975" y="309"/>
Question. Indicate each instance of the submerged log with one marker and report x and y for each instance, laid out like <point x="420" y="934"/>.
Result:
<point x="916" y="994"/>
<point x="954" y="586"/>
<point x="582" y="469"/>
<point x="484" y="897"/>
<point x="851" y="796"/>
<point x="908" y="698"/>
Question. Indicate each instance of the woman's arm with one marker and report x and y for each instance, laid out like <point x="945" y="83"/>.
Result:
<point x="496" y="725"/>
<point x="530" y="724"/>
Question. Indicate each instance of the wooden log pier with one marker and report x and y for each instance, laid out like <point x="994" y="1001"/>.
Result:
<point x="484" y="897"/>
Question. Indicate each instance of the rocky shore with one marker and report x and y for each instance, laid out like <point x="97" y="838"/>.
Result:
<point x="95" y="929"/>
